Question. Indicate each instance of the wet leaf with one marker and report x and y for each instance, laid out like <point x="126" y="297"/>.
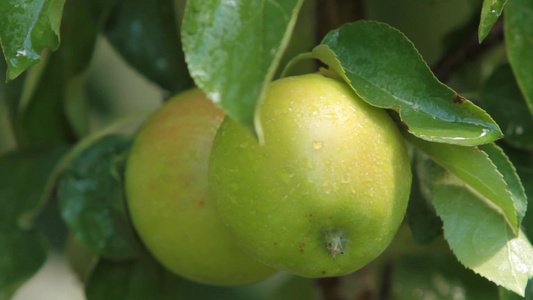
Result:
<point x="26" y="28"/>
<point x="385" y="69"/>
<point x="92" y="200"/>
<point x="518" y="37"/>
<point x="233" y="48"/>
<point x="145" y="33"/>
<point x="487" y="170"/>
<point x="491" y="11"/>
<point x="502" y="98"/>
<point x="479" y="236"/>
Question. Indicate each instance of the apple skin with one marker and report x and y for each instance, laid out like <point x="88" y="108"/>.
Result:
<point x="326" y="192"/>
<point x="166" y="187"/>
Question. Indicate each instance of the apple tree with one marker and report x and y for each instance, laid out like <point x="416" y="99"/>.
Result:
<point x="456" y="76"/>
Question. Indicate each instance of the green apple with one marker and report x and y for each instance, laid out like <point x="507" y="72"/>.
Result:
<point x="166" y="186"/>
<point x="326" y="191"/>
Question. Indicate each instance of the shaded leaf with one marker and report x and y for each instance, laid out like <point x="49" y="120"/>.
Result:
<point x="26" y="28"/>
<point x="92" y="200"/>
<point x="233" y="47"/>
<point x="145" y="33"/>
<point x="22" y="253"/>
<point x="519" y="40"/>
<point x="491" y="11"/>
<point x="43" y="120"/>
<point x="132" y="280"/>
<point x="486" y="170"/>
<point x="423" y="221"/>
<point x="26" y="182"/>
<point x="479" y="236"/>
<point x="523" y="160"/>
<point x="502" y="98"/>
<point x="438" y="276"/>
<point x="49" y="114"/>
<point x="385" y="69"/>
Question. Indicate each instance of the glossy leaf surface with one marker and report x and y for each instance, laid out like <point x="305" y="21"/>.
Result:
<point x="385" y="69"/>
<point x="491" y="11"/>
<point x="26" y="28"/>
<point x="92" y="199"/>
<point x="233" y="48"/>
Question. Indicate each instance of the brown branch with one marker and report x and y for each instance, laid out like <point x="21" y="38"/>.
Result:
<point x="466" y="51"/>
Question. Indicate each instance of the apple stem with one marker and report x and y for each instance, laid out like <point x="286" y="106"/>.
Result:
<point x="334" y="244"/>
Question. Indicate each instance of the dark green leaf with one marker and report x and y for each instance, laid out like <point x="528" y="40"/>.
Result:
<point x="491" y="11"/>
<point x="385" y="69"/>
<point x="233" y="48"/>
<point x="423" y="221"/>
<point x="146" y="34"/>
<point x="92" y="201"/>
<point x="132" y="280"/>
<point x="277" y="287"/>
<point x="438" y="276"/>
<point x="523" y="160"/>
<point x="43" y="119"/>
<point x="519" y="40"/>
<point x="486" y="170"/>
<point x="502" y="98"/>
<point x="26" y="28"/>
<point x="25" y="183"/>
<point x="56" y="109"/>
<point x="22" y="253"/>
<point x="478" y="234"/>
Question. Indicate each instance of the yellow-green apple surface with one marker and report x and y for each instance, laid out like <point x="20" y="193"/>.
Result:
<point x="166" y="186"/>
<point x="326" y="191"/>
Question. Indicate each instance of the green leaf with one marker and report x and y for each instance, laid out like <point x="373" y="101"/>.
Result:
<point x="132" y="280"/>
<point x="278" y="287"/>
<point x="491" y="11"/>
<point x="518" y="37"/>
<point x="423" y="221"/>
<point x="22" y="255"/>
<point x="26" y="182"/>
<point x="233" y="48"/>
<point x="43" y="119"/>
<point x="438" y="276"/>
<point x="487" y="171"/>
<point x="92" y="200"/>
<point x="26" y="28"/>
<point x="502" y="98"/>
<point x="479" y="236"/>
<point x="385" y="69"/>
<point x="146" y="34"/>
<point x="523" y="160"/>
